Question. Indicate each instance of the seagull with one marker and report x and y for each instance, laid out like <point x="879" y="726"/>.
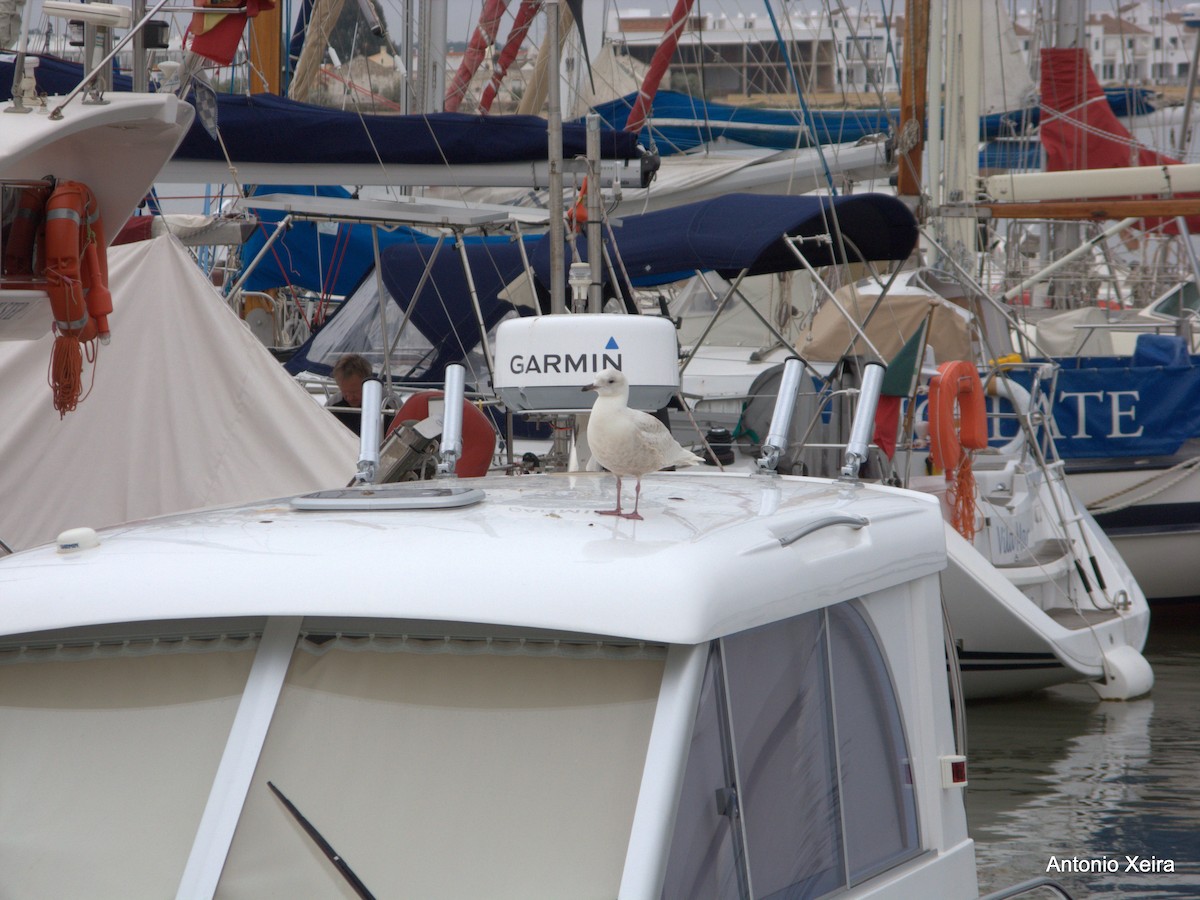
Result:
<point x="628" y="441"/>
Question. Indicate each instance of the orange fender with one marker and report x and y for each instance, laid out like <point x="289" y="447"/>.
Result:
<point x="578" y="216"/>
<point x="478" y="436"/>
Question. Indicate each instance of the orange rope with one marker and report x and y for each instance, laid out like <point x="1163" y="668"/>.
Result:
<point x="961" y="494"/>
<point x="66" y="374"/>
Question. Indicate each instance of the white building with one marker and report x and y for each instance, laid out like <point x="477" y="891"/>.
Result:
<point x="722" y="56"/>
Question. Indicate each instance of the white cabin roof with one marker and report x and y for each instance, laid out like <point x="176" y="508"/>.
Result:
<point x="706" y="561"/>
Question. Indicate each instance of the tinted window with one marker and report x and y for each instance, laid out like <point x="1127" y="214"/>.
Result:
<point x="878" y="804"/>
<point x="778" y="679"/>
<point x="704" y="862"/>
<point x="783" y="797"/>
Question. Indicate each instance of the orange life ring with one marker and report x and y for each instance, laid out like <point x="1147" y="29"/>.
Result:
<point x="77" y="282"/>
<point x="76" y="263"/>
<point x="21" y="242"/>
<point x="478" y="436"/>
<point x="956" y="388"/>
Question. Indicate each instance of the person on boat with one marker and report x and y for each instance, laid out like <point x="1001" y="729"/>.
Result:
<point x="349" y="373"/>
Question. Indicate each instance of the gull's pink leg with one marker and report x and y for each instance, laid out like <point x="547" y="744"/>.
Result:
<point x="617" y="511"/>
<point x="637" y="497"/>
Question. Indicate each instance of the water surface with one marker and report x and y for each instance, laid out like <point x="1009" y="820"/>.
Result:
<point x="1062" y="776"/>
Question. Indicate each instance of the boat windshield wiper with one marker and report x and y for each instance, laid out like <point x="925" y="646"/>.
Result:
<point x="326" y="848"/>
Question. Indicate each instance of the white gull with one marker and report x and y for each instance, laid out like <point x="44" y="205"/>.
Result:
<point x="628" y="441"/>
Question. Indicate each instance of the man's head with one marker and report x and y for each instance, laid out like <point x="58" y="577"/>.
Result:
<point x="350" y="372"/>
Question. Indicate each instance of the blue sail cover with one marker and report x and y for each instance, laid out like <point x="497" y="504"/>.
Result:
<point x="269" y="129"/>
<point x="680" y="122"/>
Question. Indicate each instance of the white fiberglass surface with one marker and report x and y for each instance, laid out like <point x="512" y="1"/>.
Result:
<point x="105" y="766"/>
<point x="448" y="774"/>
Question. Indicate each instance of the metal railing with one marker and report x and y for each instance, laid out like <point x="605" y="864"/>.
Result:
<point x="1028" y="887"/>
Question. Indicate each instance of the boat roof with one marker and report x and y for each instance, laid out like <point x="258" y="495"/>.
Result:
<point x="716" y="553"/>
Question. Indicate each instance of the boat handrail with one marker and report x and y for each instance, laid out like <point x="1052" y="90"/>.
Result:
<point x="1027" y="887"/>
<point x="452" y="421"/>
<point x="852" y="521"/>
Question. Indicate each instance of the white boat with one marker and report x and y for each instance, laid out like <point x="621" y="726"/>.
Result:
<point x="1036" y="593"/>
<point x="356" y="689"/>
<point x="141" y="439"/>
<point x="1128" y="437"/>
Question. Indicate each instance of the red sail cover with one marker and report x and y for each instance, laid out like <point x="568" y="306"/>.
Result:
<point x="1079" y="130"/>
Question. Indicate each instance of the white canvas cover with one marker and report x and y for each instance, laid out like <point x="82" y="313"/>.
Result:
<point x="186" y="410"/>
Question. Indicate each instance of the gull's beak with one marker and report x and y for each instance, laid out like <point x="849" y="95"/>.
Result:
<point x="587" y="387"/>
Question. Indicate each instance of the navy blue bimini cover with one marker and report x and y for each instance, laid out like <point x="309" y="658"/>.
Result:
<point x="746" y="231"/>
<point x="727" y="235"/>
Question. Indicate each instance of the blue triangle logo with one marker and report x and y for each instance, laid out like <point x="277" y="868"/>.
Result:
<point x="612" y="344"/>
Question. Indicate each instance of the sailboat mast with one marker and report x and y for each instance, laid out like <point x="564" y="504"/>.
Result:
<point x="558" y="289"/>
<point x="913" y="96"/>
<point x="266" y="56"/>
<point x="964" y="56"/>
<point x="1069" y="31"/>
<point x="483" y="38"/>
<point x="431" y="71"/>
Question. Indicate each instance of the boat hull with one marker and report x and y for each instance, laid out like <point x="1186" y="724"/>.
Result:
<point x="1158" y="534"/>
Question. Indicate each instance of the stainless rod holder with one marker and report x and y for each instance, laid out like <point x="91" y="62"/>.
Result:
<point x="370" y="432"/>
<point x="452" y="420"/>
<point x="864" y="419"/>
<point x="781" y="417"/>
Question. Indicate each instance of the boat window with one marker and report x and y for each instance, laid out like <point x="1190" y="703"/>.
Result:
<point x="878" y="804"/>
<point x="783" y="738"/>
<point x="107" y="756"/>
<point x="443" y="768"/>
<point x="705" y="862"/>
<point x="787" y="794"/>
<point x="1183" y="297"/>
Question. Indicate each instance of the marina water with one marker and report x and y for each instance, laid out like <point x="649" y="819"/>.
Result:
<point x="1102" y="797"/>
